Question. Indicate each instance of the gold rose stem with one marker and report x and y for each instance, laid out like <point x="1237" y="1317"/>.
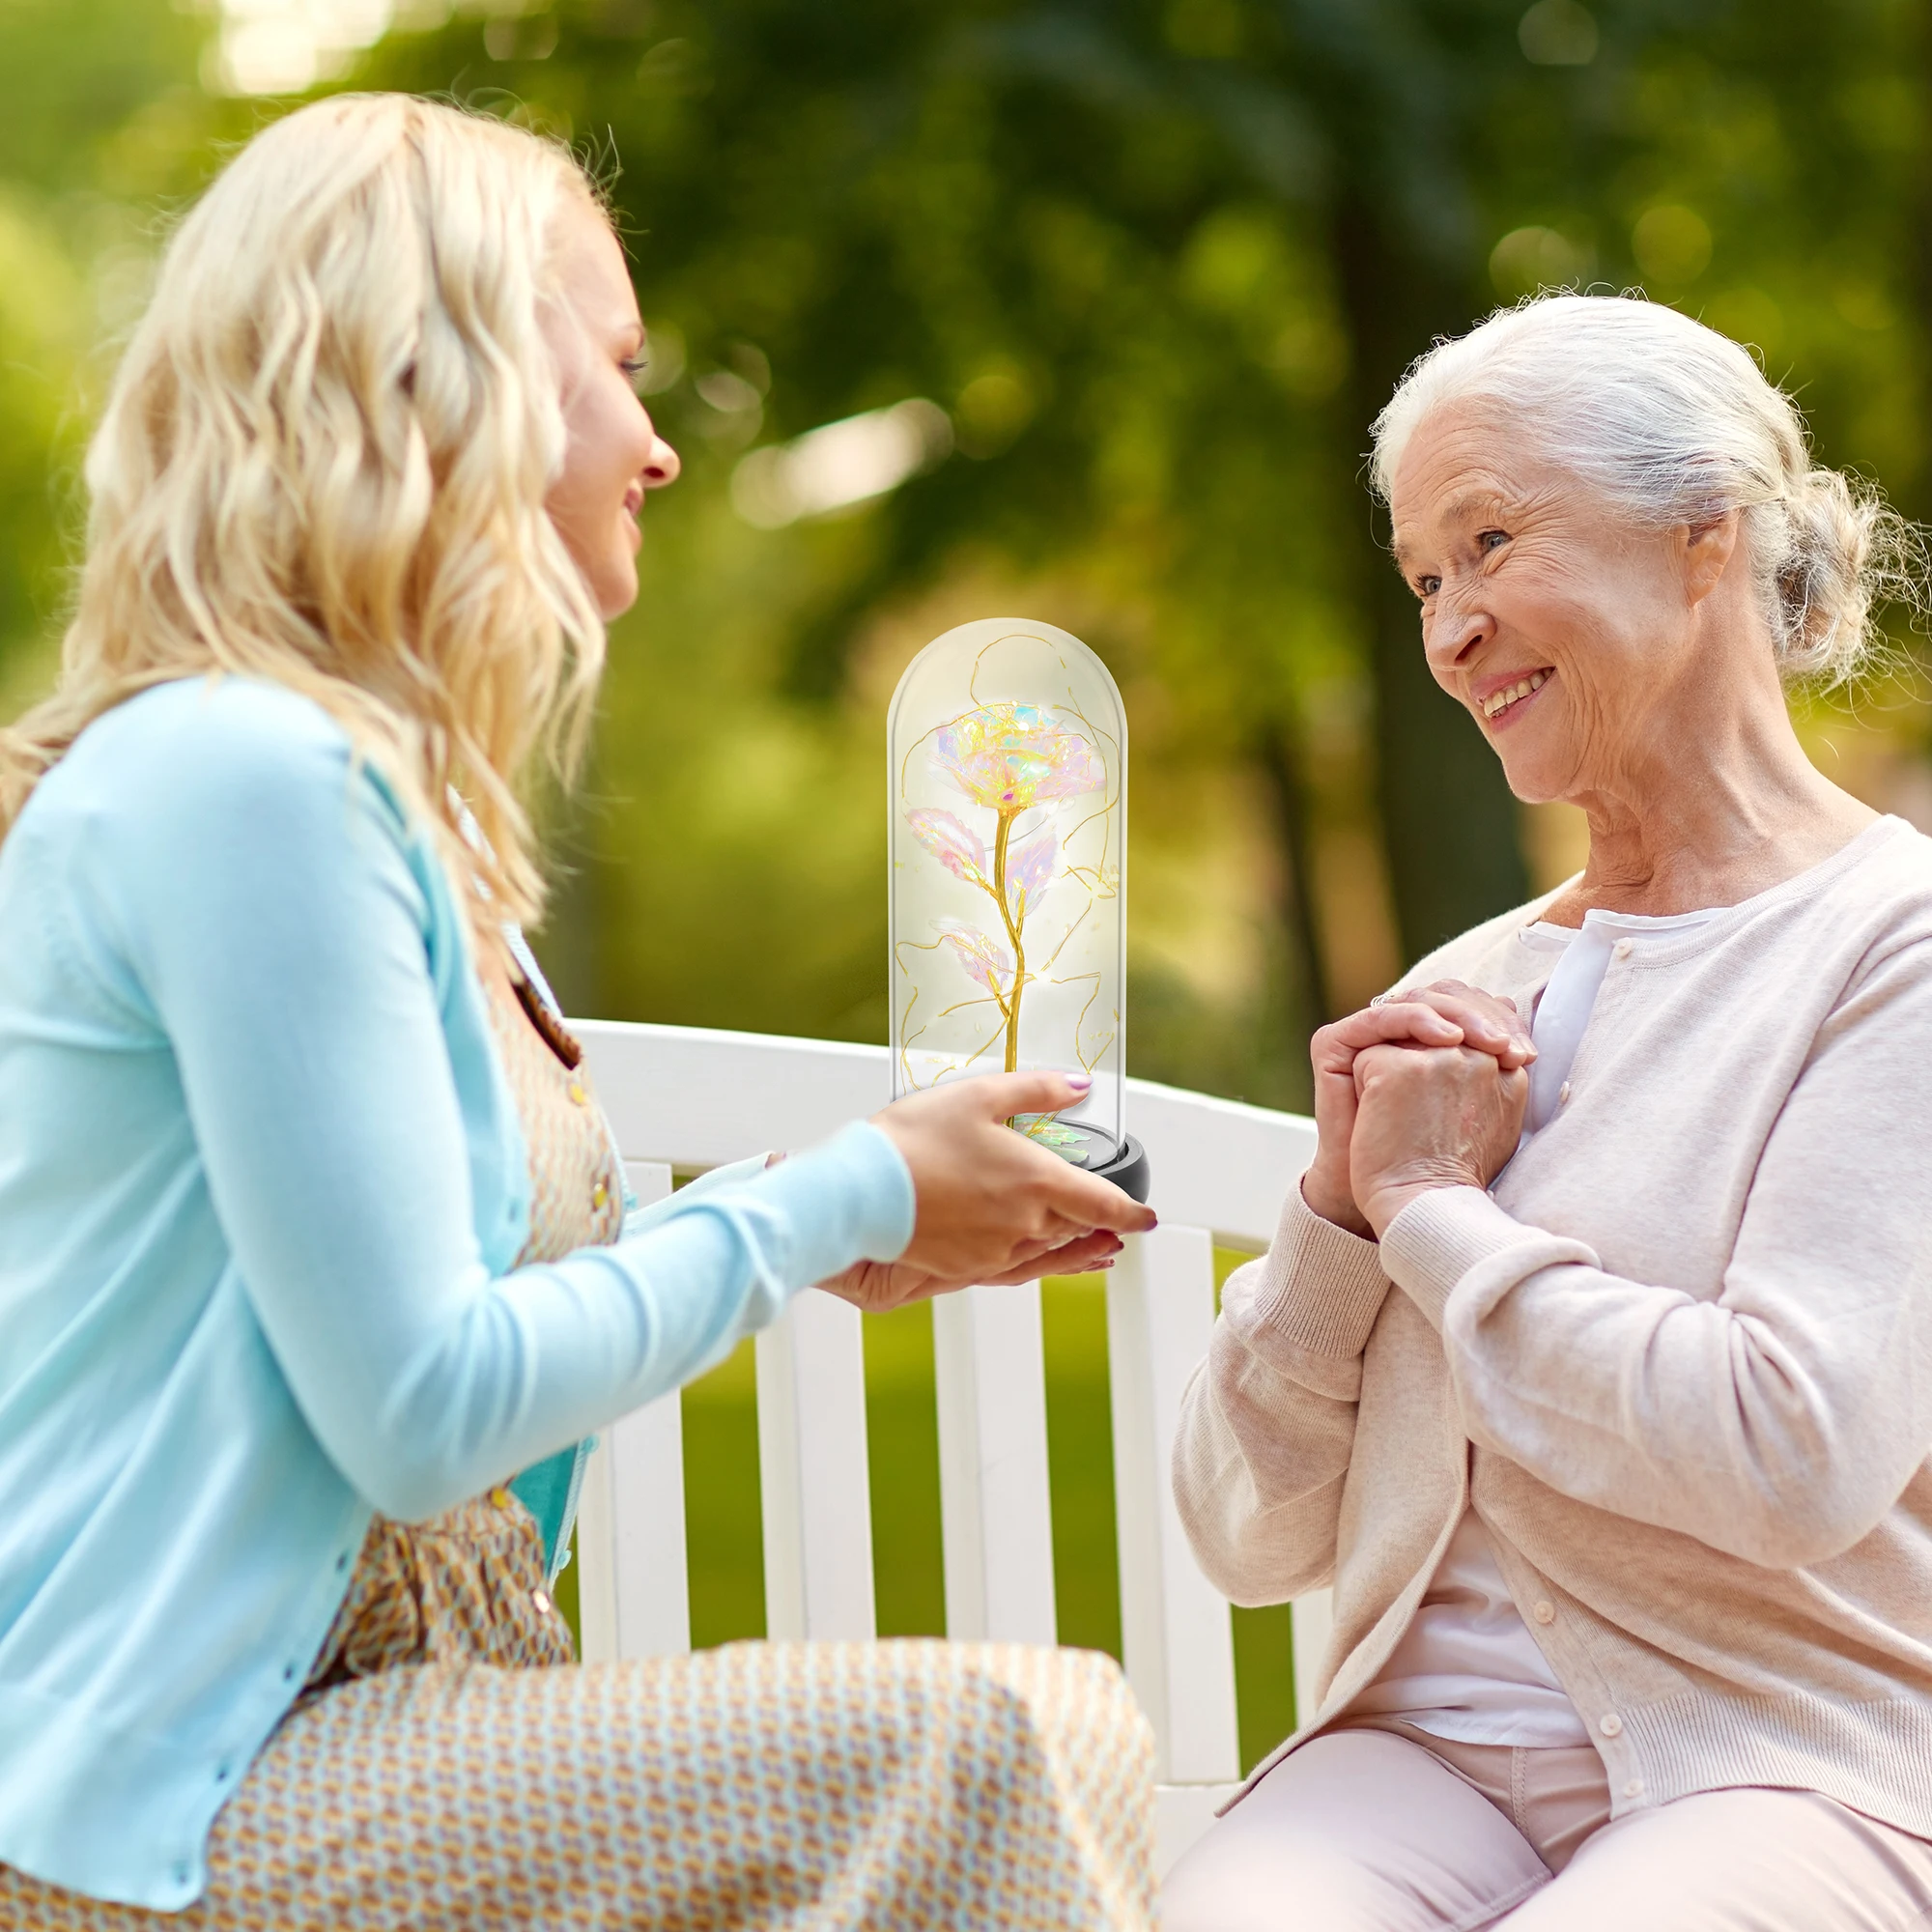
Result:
<point x="1013" y="934"/>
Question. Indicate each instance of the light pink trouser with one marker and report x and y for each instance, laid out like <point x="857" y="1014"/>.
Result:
<point x="1385" y="1830"/>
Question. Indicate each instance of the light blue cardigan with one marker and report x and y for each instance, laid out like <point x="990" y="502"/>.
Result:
<point x="259" y="1183"/>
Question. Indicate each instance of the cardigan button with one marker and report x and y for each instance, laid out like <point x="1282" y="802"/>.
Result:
<point x="1563" y="1094"/>
<point x="1634" y="1788"/>
<point x="541" y="1599"/>
<point x="1611" y="1726"/>
<point x="1545" y="1612"/>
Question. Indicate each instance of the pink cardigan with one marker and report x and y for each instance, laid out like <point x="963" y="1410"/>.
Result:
<point x="1679" y="1358"/>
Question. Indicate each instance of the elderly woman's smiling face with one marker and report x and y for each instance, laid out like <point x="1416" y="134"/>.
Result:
<point x="1561" y="628"/>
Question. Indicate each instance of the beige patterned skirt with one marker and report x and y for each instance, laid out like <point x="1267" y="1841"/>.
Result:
<point x="450" y="1770"/>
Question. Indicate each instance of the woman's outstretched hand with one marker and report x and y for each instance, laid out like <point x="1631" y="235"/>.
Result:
<point x="1443" y="1016"/>
<point x="992" y="1207"/>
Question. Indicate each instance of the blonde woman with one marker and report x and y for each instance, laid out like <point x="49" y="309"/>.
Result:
<point x="311" y="1236"/>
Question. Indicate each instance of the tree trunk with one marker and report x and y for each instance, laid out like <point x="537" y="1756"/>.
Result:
<point x="1279" y="755"/>
<point x="1449" y="822"/>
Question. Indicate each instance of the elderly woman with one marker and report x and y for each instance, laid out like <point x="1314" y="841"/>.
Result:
<point x="312" y="1235"/>
<point x="1591" y="1364"/>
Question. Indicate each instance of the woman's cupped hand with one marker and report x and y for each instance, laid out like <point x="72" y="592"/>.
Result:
<point x="1424" y="1089"/>
<point x="993" y="1207"/>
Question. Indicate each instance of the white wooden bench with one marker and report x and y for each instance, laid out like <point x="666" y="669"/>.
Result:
<point x="692" y="1099"/>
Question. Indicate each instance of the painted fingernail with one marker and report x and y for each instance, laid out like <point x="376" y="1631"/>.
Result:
<point x="1081" y="1081"/>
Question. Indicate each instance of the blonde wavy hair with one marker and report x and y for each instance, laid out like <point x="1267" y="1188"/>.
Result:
<point x="323" y="461"/>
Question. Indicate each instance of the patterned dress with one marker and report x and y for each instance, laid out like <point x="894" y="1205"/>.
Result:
<point x="450" y="1768"/>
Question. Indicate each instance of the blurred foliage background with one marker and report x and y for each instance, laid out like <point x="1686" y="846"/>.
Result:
<point x="1156" y="264"/>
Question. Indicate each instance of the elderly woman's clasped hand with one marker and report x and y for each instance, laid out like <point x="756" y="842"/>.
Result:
<point x="1424" y="1088"/>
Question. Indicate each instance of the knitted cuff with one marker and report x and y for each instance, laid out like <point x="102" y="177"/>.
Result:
<point x="1322" y="1286"/>
<point x="1440" y="1237"/>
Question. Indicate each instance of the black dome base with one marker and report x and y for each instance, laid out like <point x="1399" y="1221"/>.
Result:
<point x="1129" y="1170"/>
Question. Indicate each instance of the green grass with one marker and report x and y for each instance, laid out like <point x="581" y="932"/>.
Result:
<point x="721" y="1491"/>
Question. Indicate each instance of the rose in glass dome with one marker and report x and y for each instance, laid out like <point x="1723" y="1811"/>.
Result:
<point x="1007" y="759"/>
<point x="1007" y="775"/>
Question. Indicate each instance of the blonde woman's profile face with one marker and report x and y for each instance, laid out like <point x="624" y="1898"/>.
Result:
<point x="614" y="455"/>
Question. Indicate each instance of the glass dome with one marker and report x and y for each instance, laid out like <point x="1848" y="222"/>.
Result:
<point x="1008" y="821"/>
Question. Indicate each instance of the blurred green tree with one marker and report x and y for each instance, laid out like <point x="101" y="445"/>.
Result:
<point x="84" y="81"/>
<point x="1161" y="263"/>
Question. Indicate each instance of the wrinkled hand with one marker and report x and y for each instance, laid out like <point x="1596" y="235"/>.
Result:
<point x="992" y="1207"/>
<point x="1427" y="1117"/>
<point x="1443" y="1014"/>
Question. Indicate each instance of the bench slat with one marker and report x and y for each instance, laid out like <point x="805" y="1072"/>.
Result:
<point x="996" y="1516"/>
<point x="1314" y="1619"/>
<point x="632" y="1585"/>
<point x="1174" y="1625"/>
<point x="1182" y="1812"/>
<point x="815" y="1489"/>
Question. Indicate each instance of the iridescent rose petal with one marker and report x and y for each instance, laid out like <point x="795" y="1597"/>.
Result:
<point x="1077" y="770"/>
<point x="1010" y="756"/>
<point x="1030" y="872"/>
<point x="990" y="964"/>
<point x="953" y="842"/>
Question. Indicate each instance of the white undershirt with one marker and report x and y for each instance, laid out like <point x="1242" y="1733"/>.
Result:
<point x="1467" y="1668"/>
